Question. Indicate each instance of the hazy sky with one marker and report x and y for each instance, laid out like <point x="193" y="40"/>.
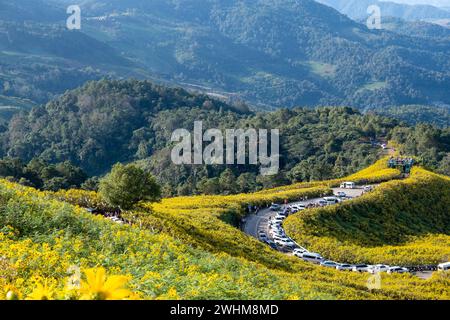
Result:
<point x="441" y="3"/>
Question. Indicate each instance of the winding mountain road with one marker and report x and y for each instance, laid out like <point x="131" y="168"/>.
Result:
<point x="255" y="223"/>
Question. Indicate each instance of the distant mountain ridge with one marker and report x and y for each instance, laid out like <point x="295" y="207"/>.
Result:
<point x="270" y="53"/>
<point x="357" y="9"/>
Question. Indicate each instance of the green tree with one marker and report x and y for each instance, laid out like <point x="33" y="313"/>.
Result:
<point x="227" y="181"/>
<point x="126" y="185"/>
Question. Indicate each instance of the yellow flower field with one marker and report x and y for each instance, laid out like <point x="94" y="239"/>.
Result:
<point x="181" y="248"/>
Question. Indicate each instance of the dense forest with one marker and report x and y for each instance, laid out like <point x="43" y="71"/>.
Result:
<point x="415" y="114"/>
<point x="357" y="9"/>
<point x="45" y="176"/>
<point x="106" y="122"/>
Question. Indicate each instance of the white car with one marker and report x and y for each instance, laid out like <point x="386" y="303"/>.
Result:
<point x="280" y="216"/>
<point x="329" y="264"/>
<point x="272" y="222"/>
<point x="275" y="207"/>
<point x="276" y="232"/>
<point x="312" y="257"/>
<point x="444" y="266"/>
<point x="275" y="225"/>
<point x="322" y="203"/>
<point x="344" y="267"/>
<point x="276" y="228"/>
<point x="284" y="242"/>
<point x="278" y="220"/>
<point x="299" y="207"/>
<point x="348" y="185"/>
<point x="299" y="251"/>
<point x="378" y="268"/>
<point x="277" y="237"/>
<point x="361" y="268"/>
<point x="331" y="200"/>
<point x="397" y="270"/>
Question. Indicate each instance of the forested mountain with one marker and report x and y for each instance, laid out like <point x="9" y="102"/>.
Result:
<point x="414" y="114"/>
<point x="38" y="61"/>
<point x="357" y="9"/>
<point x="105" y="122"/>
<point x="270" y="53"/>
<point x="420" y="29"/>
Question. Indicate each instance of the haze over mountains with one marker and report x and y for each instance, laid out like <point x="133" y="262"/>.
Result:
<point x="357" y="9"/>
<point x="270" y="53"/>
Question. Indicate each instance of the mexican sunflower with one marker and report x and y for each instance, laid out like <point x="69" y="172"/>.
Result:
<point x="43" y="291"/>
<point x="100" y="287"/>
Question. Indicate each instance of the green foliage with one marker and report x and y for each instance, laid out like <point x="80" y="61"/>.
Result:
<point x="429" y="144"/>
<point x="42" y="175"/>
<point x="414" y="114"/>
<point x="107" y="122"/>
<point x="127" y="185"/>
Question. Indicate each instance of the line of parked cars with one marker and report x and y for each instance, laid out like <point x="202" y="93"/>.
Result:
<point x="277" y="232"/>
<point x="282" y="241"/>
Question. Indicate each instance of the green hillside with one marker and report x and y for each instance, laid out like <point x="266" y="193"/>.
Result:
<point x="401" y="222"/>
<point x="106" y="122"/>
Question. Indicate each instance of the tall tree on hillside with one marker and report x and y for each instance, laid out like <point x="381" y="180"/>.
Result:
<point x="126" y="185"/>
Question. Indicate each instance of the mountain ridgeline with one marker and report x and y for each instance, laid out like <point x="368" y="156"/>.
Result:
<point x="271" y="53"/>
<point x="357" y="9"/>
<point x="106" y="122"/>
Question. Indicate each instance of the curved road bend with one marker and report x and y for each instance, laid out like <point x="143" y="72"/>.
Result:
<point x="259" y="222"/>
<point x="254" y="223"/>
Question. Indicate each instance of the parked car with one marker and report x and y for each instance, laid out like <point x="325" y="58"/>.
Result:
<point x="299" y="251"/>
<point x="361" y="268"/>
<point x="293" y="209"/>
<point x="344" y="267"/>
<point x="299" y="207"/>
<point x="331" y="200"/>
<point x="275" y="207"/>
<point x="397" y="270"/>
<point x="278" y="235"/>
<point x="329" y="264"/>
<point x="378" y="268"/>
<point x="312" y="257"/>
<point x="284" y="242"/>
<point x="444" y="266"/>
<point x="322" y="202"/>
<point x="341" y="194"/>
<point x="277" y="220"/>
<point x="276" y="229"/>
<point x="348" y="185"/>
<point x="368" y="188"/>
<point x="280" y="216"/>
